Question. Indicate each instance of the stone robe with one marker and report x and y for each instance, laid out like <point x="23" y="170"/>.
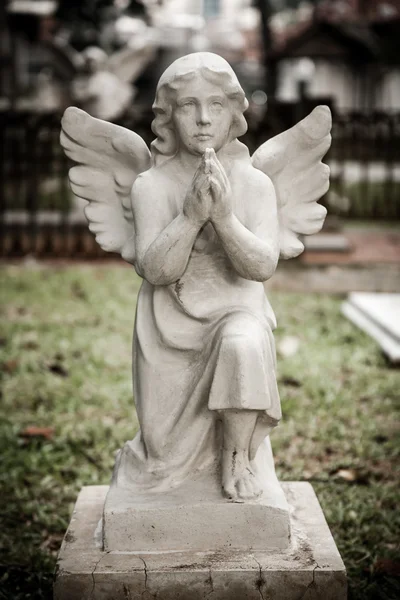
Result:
<point x="201" y="345"/>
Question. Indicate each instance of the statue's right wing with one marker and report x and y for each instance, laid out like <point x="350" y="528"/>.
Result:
<point x="109" y="159"/>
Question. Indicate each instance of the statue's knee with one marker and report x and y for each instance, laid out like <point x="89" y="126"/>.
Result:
<point x="240" y="343"/>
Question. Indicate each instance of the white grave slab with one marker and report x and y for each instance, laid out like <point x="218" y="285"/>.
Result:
<point x="327" y="242"/>
<point x="379" y="316"/>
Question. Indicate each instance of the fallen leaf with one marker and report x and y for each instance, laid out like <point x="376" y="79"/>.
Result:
<point x="32" y="345"/>
<point x="58" y="369"/>
<point x="292" y="381"/>
<point x="387" y="566"/>
<point x="77" y="290"/>
<point x="29" y="341"/>
<point x="52" y="542"/>
<point x="380" y="439"/>
<point x="352" y="476"/>
<point x="10" y="365"/>
<point x="347" y="474"/>
<point x="37" y="432"/>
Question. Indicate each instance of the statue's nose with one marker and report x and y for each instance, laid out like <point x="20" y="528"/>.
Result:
<point x="203" y="116"/>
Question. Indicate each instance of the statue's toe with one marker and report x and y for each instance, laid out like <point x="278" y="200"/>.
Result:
<point x="248" y="487"/>
<point x="229" y="490"/>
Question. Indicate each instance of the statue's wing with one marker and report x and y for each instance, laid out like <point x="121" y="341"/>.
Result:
<point x="293" y="162"/>
<point x="109" y="159"/>
<point x="129" y="63"/>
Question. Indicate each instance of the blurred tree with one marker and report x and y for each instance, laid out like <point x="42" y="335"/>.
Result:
<point x="89" y="10"/>
<point x="267" y="9"/>
<point x="136" y="8"/>
<point x="278" y="5"/>
<point x="85" y="19"/>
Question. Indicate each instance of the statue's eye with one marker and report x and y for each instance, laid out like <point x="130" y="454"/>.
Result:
<point x="187" y="104"/>
<point x="217" y="104"/>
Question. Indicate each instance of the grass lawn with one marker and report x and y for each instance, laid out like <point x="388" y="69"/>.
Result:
<point x="65" y="344"/>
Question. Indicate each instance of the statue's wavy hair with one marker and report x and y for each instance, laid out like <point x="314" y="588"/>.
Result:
<point x="165" y="145"/>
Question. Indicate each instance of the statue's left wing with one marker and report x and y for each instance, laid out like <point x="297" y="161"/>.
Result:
<point x="109" y="159"/>
<point x="293" y="161"/>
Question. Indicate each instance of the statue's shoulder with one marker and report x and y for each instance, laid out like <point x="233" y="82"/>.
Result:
<point x="251" y="179"/>
<point x="243" y="172"/>
<point x="153" y="180"/>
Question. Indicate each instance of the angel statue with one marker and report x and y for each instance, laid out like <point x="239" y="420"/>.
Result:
<point x="204" y="225"/>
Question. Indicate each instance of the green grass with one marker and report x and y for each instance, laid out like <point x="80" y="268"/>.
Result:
<point x="65" y="344"/>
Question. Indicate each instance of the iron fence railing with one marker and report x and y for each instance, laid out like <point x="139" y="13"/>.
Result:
<point x="40" y="216"/>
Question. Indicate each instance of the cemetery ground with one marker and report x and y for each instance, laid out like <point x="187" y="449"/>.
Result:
<point x="66" y="408"/>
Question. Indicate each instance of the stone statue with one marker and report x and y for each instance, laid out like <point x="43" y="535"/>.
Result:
<point x="104" y="86"/>
<point x="204" y="224"/>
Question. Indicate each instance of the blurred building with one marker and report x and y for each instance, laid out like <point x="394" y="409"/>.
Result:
<point x="347" y="51"/>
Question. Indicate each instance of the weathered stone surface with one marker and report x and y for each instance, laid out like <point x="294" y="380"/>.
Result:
<point x="204" y="224"/>
<point x="161" y="522"/>
<point x="310" y="569"/>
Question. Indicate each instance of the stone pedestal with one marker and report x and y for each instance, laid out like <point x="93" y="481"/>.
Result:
<point x="195" y="517"/>
<point x="310" y="568"/>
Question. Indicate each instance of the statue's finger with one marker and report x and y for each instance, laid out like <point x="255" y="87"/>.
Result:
<point x="216" y="188"/>
<point x="198" y="173"/>
<point x="218" y="168"/>
<point x="200" y="181"/>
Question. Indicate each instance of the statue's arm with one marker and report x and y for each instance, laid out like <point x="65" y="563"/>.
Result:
<point x="162" y="246"/>
<point x="253" y="250"/>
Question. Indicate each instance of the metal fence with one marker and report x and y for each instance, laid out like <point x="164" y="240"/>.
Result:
<point x="40" y="216"/>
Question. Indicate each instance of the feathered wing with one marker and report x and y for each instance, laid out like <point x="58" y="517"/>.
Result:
<point x="129" y="63"/>
<point x="109" y="159"/>
<point x="293" y="162"/>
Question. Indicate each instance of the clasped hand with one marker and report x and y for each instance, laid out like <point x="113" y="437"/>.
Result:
<point x="209" y="197"/>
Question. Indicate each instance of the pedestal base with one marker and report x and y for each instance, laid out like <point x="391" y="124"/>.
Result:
<point x="195" y="517"/>
<point x="311" y="568"/>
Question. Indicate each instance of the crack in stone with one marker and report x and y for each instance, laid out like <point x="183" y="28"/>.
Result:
<point x="260" y="581"/>
<point x="145" y="579"/>
<point x="312" y="583"/>
<point x="93" y="579"/>
<point x="211" y="583"/>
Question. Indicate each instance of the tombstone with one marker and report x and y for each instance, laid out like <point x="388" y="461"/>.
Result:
<point x="378" y="315"/>
<point x="194" y="508"/>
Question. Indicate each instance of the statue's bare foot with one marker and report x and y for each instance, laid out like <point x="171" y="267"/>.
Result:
<point x="239" y="482"/>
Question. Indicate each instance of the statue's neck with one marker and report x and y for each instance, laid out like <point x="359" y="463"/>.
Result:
<point x="189" y="162"/>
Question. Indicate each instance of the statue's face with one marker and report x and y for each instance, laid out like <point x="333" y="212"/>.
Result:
<point x="202" y="116"/>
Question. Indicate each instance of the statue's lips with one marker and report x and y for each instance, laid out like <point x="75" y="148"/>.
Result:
<point x="203" y="136"/>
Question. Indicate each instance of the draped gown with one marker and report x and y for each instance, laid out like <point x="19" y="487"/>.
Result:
<point x="201" y="345"/>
